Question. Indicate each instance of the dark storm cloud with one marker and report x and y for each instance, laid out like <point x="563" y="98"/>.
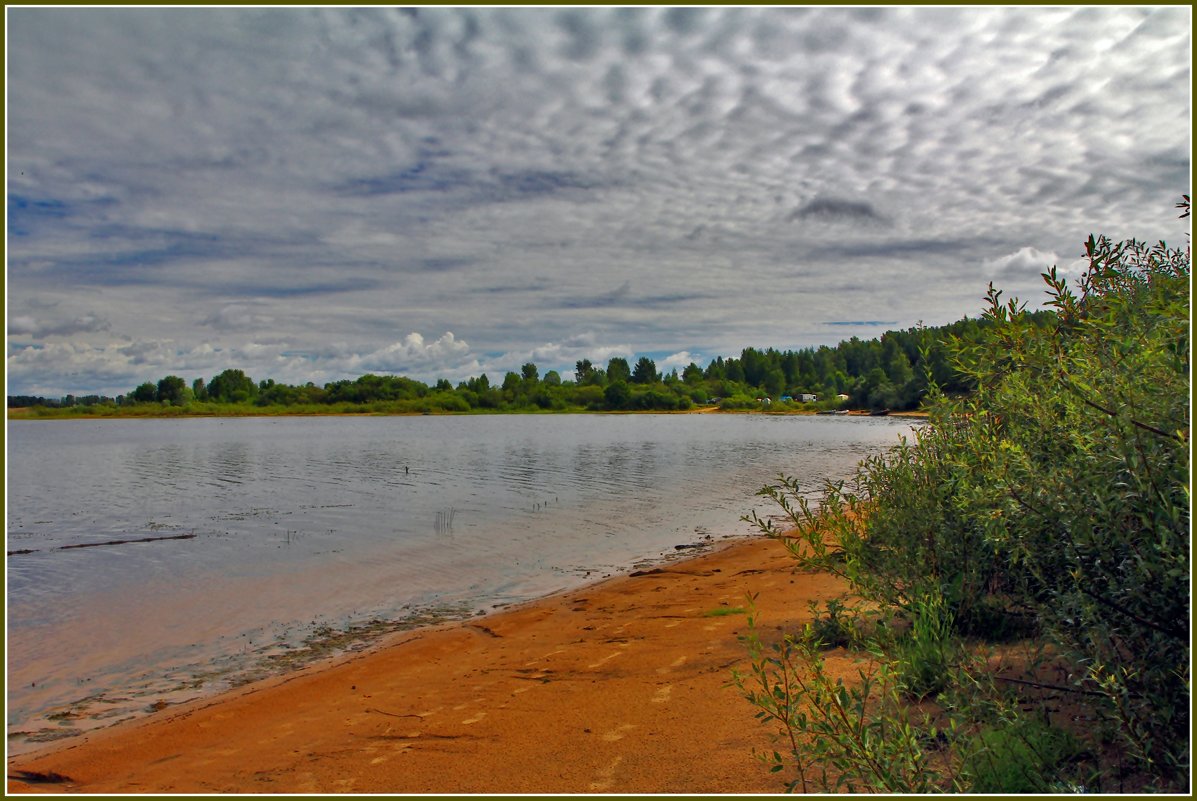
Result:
<point x="318" y="191"/>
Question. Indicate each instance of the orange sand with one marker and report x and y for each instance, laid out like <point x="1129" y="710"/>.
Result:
<point x="618" y="687"/>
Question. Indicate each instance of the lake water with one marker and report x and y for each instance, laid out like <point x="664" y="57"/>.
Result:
<point x="259" y="533"/>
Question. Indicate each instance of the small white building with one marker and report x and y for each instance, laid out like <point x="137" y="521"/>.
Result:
<point x="806" y="397"/>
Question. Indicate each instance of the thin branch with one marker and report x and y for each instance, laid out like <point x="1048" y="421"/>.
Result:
<point x="1045" y="686"/>
<point x="1112" y="413"/>
<point x="1182" y="634"/>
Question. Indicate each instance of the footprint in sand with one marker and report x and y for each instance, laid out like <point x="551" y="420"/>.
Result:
<point x="605" y="659"/>
<point x="605" y="777"/>
<point x="617" y="734"/>
<point x="677" y="663"/>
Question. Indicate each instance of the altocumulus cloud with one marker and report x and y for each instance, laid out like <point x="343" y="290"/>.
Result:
<point x="31" y="327"/>
<point x="311" y="193"/>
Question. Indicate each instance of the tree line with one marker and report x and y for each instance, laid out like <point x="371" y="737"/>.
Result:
<point x="892" y="371"/>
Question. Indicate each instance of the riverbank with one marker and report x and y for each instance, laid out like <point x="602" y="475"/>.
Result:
<point x="171" y="412"/>
<point x="617" y="687"/>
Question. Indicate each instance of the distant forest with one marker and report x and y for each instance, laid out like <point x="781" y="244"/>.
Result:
<point x="890" y="372"/>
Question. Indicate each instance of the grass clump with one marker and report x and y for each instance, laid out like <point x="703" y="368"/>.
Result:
<point x="925" y="654"/>
<point x="1023" y="756"/>
<point x="724" y="611"/>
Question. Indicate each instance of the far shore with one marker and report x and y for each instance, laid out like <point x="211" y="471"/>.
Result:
<point x="618" y="687"/>
<point x="167" y="413"/>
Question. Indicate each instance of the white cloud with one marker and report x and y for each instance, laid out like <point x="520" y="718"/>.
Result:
<point x="678" y="361"/>
<point x="1021" y="263"/>
<point x="412" y="355"/>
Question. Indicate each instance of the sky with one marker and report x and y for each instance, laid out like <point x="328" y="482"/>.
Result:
<point x="311" y="194"/>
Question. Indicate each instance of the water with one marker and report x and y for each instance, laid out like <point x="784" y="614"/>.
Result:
<point x="257" y="533"/>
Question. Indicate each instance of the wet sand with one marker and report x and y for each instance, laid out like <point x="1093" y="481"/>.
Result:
<point x="619" y="687"/>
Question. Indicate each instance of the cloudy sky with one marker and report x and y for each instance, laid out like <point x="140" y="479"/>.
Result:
<point x="313" y="194"/>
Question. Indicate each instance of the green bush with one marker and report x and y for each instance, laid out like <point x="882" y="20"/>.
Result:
<point x="1081" y="434"/>
<point x="839" y="627"/>
<point x="1053" y="497"/>
<point x="737" y="402"/>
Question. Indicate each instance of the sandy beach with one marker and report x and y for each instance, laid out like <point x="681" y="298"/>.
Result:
<point x="618" y="687"/>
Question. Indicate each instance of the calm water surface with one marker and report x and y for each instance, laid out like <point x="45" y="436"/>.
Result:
<point x="303" y="525"/>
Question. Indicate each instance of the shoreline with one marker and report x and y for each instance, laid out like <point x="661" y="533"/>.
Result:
<point x="617" y="686"/>
<point x="23" y="414"/>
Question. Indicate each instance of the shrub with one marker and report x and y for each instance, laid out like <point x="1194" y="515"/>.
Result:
<point x="1055" y="492"/>
<point x="1082" y="435"/>
<point x="839" y="737"/>
<point x="838" y="628"/>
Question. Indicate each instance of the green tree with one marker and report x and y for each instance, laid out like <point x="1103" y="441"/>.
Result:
<point x="774" y="382"/>
<point x="754" y="365"/>
<point x="530" y="373"/>
<point x="618" y="371"/>
<point x="171" y="389"/>
<point x="274" y="394"/>
<point x="596" y="377"/>
<point x="582" y="370"/>
<point x="145" y="393"/>
<point x="692" y="375"/>
<point x="232" y="386"/>
<point x="645" y="372"/>
<point x="733" y="370"/>
<point x="617" y="395"/>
